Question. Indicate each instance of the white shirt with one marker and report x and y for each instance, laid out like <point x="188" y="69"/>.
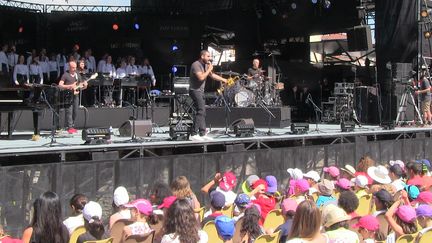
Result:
<point x="61" y="60"/>
<point x="101" y="65"/>
<point x="4" y="60"/>
<point x="131" y="70"/>
<point x="20" y="69"/>
<point x="35" y="69"/>
<point x="230" y="196"/>
<point x="149" y="71"/>
<point x="92" y="64"/>
<point x="44" y="64"/>
<point x="13" y="59"/>
<point x="74" y="222"/>
<point x="54" y="67"/>
<point x="109" y="68"/>
<point x="170" y="238"/>
<point x="29" y="60"/>
<point x="121" y="73"/>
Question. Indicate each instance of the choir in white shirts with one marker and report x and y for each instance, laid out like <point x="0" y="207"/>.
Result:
<point x="21" y="74"/>
<point x="61" y="60"/>
<point x="109" y="68"/>
<point x="35" y="70"/>
<point x="121" y="72"/>
<point x="91" y="64"/>
<point x="12" y="59"/>
<point x="132" y="70"/>
<point x="4" y="61"/>
<point x="147" y="70"/>
<point x="53" y="67"/>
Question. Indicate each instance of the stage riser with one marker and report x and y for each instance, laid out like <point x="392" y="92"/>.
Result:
<point x="216" y="116"/>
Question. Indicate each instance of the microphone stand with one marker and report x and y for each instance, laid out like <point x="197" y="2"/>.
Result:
<point x="317" y="110"/>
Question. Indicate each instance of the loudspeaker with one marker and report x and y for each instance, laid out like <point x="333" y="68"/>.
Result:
<point x="242" y="121"/>
<point x="359" y="38"/>
<point x="143" y="128"/>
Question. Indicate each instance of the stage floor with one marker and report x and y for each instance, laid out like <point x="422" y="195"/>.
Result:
<point x="21" y="142"/>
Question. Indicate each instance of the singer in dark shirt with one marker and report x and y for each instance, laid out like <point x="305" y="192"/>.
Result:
<point x="199" y="72"/>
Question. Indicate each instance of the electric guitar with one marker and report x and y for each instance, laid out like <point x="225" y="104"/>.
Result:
<point x="80" y="84"/>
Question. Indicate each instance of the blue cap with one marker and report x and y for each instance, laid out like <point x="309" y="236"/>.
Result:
<point x="225" y="227"/>
<point x="217" y="199"/>
<point x="242" y="200"/>
<point x="412" y="191"/>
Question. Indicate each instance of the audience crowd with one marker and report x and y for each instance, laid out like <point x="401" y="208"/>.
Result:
<point x="369" y="203"/>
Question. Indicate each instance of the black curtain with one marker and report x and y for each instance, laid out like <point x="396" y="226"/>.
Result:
<point x="396" y="41"/>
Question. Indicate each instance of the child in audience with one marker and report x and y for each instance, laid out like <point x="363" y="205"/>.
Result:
<point x="412" y="192"/>
<point x="289" y="207"/>
<point x="93" y="224"/>
<point x="121" y="197"/>
<point x="181" y="225"/>
<point x="301" y="190"/>
<point x="424" y="218"/>
<point x="180" y="187"/>
<point x="349" y="202"/>
<point x="141" y="214"/>
<point x="241" y="202"/>
<point x="313" y="178"/>
<point x="248" y="183"/>
<point x="77" y="203"/>
<point x="396" y="174"/>
<point x="383" y="200"/>
<point x="331" y="173"/>
<point x="401" y="218"/>
<point x="266" y="201"/>
<point x="379" y="175"/>
<point x="272" y="185"/>
<point x="325" y="188"/>
<point x="363" y="166"/>
<point x="159" y="191"/>
<point x="347" y="172"/>
<point x="336" y="225"/>
<point x="425" y="197"/>
<point x="360" y="186"/>
<point x="225" y="228"/>
<point x="368" y="227"/>
<point x="251" y="228"/>
<point x="342" y="185"/>
<point x="306" y="224"/>
<point x="224" y="184"/>
<point x="295" y="174"/>
<point x="4" y="238"/>
<point x="217" y="202"/>
<point x="46" y="225"/>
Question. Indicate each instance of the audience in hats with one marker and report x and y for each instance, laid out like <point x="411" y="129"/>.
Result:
<point x="326" y="189"/>
<point x="342" y="185"/>
<point x="93" y="223"/>
<point x="347" y="172"/>
<point x="266" y="201"/>
<point x="362" y="167"/>
<point x="141" y="214"/>
<point x="225" y="228"/>
<point x="120" y="198"/>
<point x="361" y="186"/>
<point x="251" y="227"/>
<point x="301" y="190"/>
<point x="76" y="203"/>
<point x="224" y="184"/>
<point x="368" y="227"/>
<point x="241" y="202"/>
<point x="313" y="178"/>
<point x="331" y="173"/>
<point x="396" y="173"/>
<point x="349" y="202"/>
<point x="335" y="221"/>
<point x="424" y="217"/>
<point x="401" y="218"/>
<point x="289" y="207"/>
<point x="217" y="202"/>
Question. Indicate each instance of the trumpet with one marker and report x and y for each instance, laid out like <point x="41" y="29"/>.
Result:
<point x="230" y="82"/>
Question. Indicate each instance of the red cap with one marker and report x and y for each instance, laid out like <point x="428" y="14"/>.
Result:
<point x="228" y="181"/>
<point x="167" y="202"/>
<point x="260" y="182"/>
<point x="368" y="222"/>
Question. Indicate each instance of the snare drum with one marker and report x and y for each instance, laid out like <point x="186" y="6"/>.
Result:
<point x="244" y="98"/>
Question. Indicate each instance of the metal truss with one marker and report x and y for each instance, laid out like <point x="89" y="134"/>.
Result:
<point x="22" y="5"/>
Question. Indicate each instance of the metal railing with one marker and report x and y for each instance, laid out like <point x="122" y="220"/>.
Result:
<point x="48" y="8"/>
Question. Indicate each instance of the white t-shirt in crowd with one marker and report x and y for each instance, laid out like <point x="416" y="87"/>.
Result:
<point x="171" y="238"/>
<point x="230" y="196"/>
<point x="74" y="222"/>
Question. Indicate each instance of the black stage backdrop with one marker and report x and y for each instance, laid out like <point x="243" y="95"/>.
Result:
<point x="396" y="41"/>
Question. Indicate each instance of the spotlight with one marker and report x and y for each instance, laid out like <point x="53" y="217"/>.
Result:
<point x="347" y="126"/>
<point x="427" y="34"/>
<point x="293" y="6"/>
<point x="20" y="29"/>
<point x="327" y="4"/>
<point x="115" y="26"/>
<point x="174" y="69"/>
<point x="314" y="1"/>
<point x="273" y="10"/>
<point x="299" y="128"/>
<point x="136" y="26"/>
<point x="174" y="47"/>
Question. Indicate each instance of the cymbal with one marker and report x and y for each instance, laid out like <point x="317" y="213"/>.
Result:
<point x="230" y="73"/>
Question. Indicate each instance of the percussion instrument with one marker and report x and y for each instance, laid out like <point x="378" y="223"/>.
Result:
<point x="244" y="98"/>
<point x="181" y="85"/>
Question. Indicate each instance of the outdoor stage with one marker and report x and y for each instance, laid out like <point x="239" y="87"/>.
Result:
<point x="29" y="168"/>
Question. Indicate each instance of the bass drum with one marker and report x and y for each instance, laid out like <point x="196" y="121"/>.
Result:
<point x="244" y="98"/>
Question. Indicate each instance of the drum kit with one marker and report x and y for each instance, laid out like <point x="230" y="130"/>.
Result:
<point x="246" y="91"/>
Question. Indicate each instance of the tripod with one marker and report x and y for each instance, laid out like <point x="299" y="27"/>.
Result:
<point x="407" y="94"/>
<point x="55" y="118"/>
<point x="317" y="110"/>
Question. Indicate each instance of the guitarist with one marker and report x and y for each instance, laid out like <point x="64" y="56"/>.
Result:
<point x="69" y="81"/>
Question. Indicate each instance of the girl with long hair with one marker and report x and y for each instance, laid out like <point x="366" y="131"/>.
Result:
<point x="180" y="187"/>
<point x="181" y="226"/>
<point x="46" y="225"/>
<point x="250" y="228"/>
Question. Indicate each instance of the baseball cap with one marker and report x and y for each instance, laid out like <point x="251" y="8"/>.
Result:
<point x="167" y="202"/>
<point x="344" y="183"/>
<point x="92" y="209"/>
<point x="312" y="175"/>
<point x="242" y="200"/>
<point x="271" y="183"/>
<point x="379" y="174"/>
<point x="406" y="213"/>
<point x="326" y="187"/>
<point x="361" y="181"/>
<point x="383" y="195"/>
<point x="228" y="181"/>
<point x="247" y="184"/>
<point x="425" y="197"/>
<point x="368" y="222"/>
<point x="295" y="173"/>
<point x="217" y="199"/>
<point x="302" y="185"/>
<point x="142" y="205"/>
<point x="413" y="191"/>
<point x="288" y="205"/>
<point x="424" y="210"/>
<point x="121" y="196"/>
<point x="332" y="214"/>
<point x="260" y="182"/>
<point x="225" y="227"/>
<point x="332" y="170"/>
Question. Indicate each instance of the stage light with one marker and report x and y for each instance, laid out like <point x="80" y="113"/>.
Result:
<point x="174" y="47"/>
<point x="347" y="126"/>
<point x="293" y="5"/>
<point x="327" y="3"/>
<point x="96" y="135"/>
<point x="427" y="34"/>
<point x="174" y="69"/>
<point x="299" y="128"/>
<point x="314" y="1"/>
<point x="115" y="26"/>
<point x="20" y="29"/>
<point x="136" y="26"/>
<point x="273" y="10"/>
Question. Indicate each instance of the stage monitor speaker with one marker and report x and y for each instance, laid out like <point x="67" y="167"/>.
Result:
<point x="359" y="38"/>
<point x="242" y="121"/>
<point x="143" y="128"/>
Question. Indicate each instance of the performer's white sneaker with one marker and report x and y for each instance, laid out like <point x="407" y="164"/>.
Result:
<point x="196" y="138"/>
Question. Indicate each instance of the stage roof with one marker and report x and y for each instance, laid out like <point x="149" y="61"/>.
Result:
<point x="81" y="2"/>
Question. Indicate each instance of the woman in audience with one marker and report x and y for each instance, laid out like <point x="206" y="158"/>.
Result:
<point x="336" y="225"/>
<point x="46" y="225"/>
<point x="251" y="228"/>
<point x="401" y="218"/>
<point x="181" y="225"/>
<point x="77" y="203"/>
<point x="93" y="224"/>
<point x="396" y="174"/>
<point x="363" y="166"/>
<point x="181" y="189"/>
<point x="349" y="202"/>
<point x="306" y="224"/>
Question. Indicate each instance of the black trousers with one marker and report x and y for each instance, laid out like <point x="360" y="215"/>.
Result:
<point x="71" y="112"/>
<point x="200" y="112"/>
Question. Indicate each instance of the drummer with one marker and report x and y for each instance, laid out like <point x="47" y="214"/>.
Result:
<point x="254" y="75"/>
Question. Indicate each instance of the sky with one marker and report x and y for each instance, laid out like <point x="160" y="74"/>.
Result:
<point x="82" y="2"/>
